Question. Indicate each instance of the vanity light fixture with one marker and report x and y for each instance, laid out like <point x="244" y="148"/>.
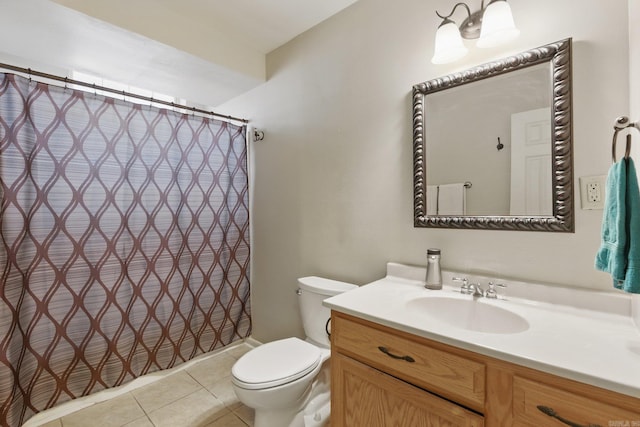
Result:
<point x="492" y="25"/>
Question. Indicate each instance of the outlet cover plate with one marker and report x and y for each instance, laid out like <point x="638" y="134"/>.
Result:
<point x="592" y="191"/>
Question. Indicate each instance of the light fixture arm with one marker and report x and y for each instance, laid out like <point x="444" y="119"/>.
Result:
<point x="492" y="25"/>
<point x="470" y="27"/>
<point x="454" y="10"/>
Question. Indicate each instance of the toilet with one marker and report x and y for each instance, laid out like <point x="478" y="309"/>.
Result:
<point x="286" y="381"/>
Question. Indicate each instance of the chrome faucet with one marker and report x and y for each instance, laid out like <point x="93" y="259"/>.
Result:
<point x="469" y="288"/>
<point x="476" y="290"/>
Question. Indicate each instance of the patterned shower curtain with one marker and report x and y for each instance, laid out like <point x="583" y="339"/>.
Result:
<point x="124" y="233"/>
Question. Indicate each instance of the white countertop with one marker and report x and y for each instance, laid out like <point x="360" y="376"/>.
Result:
<point x="588" y="336"/>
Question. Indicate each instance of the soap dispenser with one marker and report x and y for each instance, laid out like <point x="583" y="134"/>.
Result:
<point x="434" y="275"/>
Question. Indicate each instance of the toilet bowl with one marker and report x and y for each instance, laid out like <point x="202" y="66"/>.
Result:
<point x="286" y="381"/>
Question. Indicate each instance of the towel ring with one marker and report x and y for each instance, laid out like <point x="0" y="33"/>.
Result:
<point x="627" y="149"/>
<point x="621" y="123"/>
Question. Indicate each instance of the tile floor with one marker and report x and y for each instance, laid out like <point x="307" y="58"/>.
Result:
<point x="199" y="395"/>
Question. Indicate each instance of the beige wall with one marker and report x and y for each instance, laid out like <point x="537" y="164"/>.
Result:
<point x="332" y="181"/>
<point x="634" y="64"/>
<point x="634" y="91"/>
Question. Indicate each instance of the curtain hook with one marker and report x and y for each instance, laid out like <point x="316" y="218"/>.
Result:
<point x="66" y="81"/>
<point x="29" y="70"/>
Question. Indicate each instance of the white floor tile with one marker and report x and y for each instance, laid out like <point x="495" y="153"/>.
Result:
<point x="165" y="391"/>
<point x="245" y="413"/>
<point x="115" y="412"/>
<point x="223" y="390"/>
<point x="197" y="409"/>
<point x="210" y="371"/>
<point x="140" y="422"/>
<point x="229" y="420"/>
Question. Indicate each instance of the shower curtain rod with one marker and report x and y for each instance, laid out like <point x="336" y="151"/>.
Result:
<point x="94" y="86"/>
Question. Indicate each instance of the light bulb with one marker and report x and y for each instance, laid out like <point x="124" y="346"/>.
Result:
<point x="449" y="46"/>
<point x="497" y="25"/>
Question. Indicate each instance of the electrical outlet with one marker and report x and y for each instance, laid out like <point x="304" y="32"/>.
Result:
<point x="592" y="191"/>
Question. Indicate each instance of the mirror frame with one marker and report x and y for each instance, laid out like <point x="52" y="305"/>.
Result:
<point x="558" y="54"/>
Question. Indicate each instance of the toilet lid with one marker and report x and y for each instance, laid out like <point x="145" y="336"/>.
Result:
<point x="275" y="363"/>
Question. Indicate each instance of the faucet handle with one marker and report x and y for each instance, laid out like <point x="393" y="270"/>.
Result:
<point x="491" y="292"/>
<point x="465" y="284"/>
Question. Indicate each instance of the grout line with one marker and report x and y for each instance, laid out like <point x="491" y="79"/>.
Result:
<point x="140" y="405"/>
<point x="138" y="419"/>
<point x="196" y="380"/>
<point x="240" y="418"/>
<point x="176" y="400"/>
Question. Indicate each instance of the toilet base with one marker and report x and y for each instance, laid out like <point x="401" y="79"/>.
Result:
<point x="311" y="410"/>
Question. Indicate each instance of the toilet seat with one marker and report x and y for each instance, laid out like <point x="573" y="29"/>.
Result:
<point x="275" y="363"/>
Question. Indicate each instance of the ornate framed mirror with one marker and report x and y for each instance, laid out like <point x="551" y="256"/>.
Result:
<point x="492" y="145"/>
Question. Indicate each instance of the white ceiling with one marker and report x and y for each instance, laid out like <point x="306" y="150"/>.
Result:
<point x="205" y="51"/>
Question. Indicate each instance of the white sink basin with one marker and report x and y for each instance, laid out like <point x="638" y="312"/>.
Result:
<point x="472" y="315"/>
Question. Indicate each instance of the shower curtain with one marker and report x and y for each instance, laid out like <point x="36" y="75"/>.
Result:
<point x="124" y="233"/>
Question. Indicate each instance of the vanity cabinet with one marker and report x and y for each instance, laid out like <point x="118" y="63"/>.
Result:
<point x="386" y="377"/>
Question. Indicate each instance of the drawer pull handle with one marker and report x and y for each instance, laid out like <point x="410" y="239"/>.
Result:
<point x="386" y="351"/>
<point x="553" y="414"/>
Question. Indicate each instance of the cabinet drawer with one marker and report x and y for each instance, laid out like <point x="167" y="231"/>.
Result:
<point x="531" y="399"/>
<point x="448" y="375"/>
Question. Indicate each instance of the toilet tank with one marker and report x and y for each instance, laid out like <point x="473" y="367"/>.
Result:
<point x="312" y="291"/>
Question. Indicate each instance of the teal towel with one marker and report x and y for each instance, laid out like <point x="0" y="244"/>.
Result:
<point x="619" y="252"/>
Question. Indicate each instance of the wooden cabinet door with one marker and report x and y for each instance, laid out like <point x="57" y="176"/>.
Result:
<point x="365" y="397"/>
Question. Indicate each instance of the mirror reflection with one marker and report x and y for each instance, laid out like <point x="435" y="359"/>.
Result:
<point x="493" y="145"/>
<point x="495" y="135"/>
